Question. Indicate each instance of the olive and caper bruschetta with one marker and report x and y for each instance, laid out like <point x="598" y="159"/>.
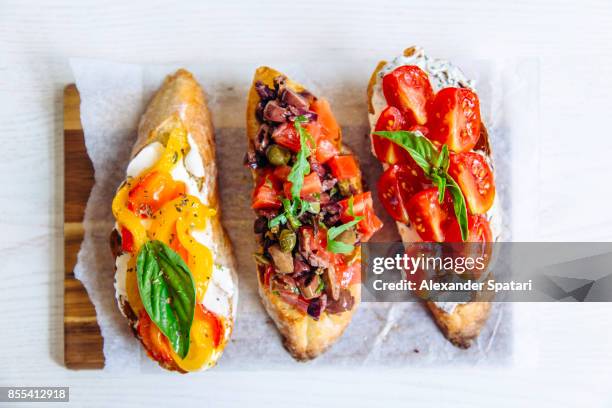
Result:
<point x="312" y="213"/>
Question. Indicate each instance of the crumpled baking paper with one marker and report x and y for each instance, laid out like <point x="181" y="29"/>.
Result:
<point x="114" y="96"/>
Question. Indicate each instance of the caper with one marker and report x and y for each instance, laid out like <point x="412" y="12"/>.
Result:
<point x="287" y="240"/>
<point x="345" y="187"/>
<point x="278" y="156"/>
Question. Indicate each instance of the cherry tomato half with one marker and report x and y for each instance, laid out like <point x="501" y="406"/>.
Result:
<point x="390" y="119"/>
<point x="408" y="89"/>
<point x="428" y="216"/>
<point x="473" y="174"/>
<point x="397" y="185"/>
<point x="455" y="119"/>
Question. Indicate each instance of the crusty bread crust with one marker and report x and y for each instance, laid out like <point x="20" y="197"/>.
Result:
<point x="304" y="337"/>
<point x="180" y="101"/>
<point x="464" y="323"/>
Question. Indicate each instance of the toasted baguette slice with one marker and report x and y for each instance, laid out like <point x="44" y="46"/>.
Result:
<point x="304" y="337"/>
<point x="180" y="102"/>
<point x="463" y="324"/>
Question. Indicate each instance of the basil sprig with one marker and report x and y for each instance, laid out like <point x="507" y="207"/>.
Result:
<point x="167" y="291"/>
<point x="296" y="207"/>
<point x="435" y="166"/>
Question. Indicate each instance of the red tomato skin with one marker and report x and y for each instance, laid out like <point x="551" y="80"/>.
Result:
<point x="397" y="185"/>
<point x="362" y="206"/>
<point x="348" y="274"/>
<point x="479" y="230"/>
<point x="280" y="173"/>
<point x="213" y="322"/>
<point x="152" y="192"/>
<point x="154" y="341"/>
<point x="325" y="151"/>
<point x="344" y="167"/>
<point x="390" y="119"/>
<point x="408" y="89"/>
<point x="285" y="135"/>
<point x="325" y="118"/>
<point x="266" y="194"/>
<point x="312" y="185"/>
<point x="455" y="119"/>
<point x="427" y="216"/>
<point x="473" y="174"/>
<point x="127" y="240"/>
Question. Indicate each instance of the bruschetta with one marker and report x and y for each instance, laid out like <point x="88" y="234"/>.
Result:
<point x="175" y="276"/>
<point x="438" y="182"/>
<point x="312" y="213"/>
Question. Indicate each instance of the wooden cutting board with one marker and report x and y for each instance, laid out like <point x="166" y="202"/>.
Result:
<point x="82" y="338"/>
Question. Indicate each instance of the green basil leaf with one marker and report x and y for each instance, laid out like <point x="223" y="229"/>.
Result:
<point x="301" y="167"/>
<point x="459" y="206"/>
<point x="418" y="146"/>
<point x="444" y="160"/>
<point x="167" y="291"/>
<point x="278" y="220"/>
<point x="338" y="247"/>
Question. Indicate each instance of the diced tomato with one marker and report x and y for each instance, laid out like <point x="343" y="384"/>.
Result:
<point x="428" y="216"/>
<point x="312" y="185"/>
<point x="315" y="130"/>
<point x="397" y="185"/>
<point x="215" y="325"/>
<point x="280" y="173"/>
<point x="325" y="151"/>
<point x="455" y="119"/>
<point x="329" y="127"/>
<point x="408" y="89"/>
<point x="175" y="244"/>
<point x="391" y="119"/>
<point x="152" y="192"/>
<point x="473" y="174"/>
<point x="344" y="167"/>
<point x="348" y="274"/>
<point x="286" y="136"/>
<point x="362" y="206"/>
<point x="154" y="341"/>
<point x="317" y="243"/>
<point x="369" y="225"/>
<point x="127" y="240"/>
<point x="266" y="194"/>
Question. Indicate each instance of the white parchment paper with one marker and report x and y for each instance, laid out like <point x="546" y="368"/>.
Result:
<point x="113" y="96"/>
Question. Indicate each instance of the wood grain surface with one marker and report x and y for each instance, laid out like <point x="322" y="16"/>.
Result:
<point x="82" y="339"/>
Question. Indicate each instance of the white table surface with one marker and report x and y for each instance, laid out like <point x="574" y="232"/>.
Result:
<point x="564" y="357"/>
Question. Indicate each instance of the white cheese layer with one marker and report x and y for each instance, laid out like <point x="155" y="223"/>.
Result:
<point x="442" y="74"/>
<point x="220" y="291"/>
